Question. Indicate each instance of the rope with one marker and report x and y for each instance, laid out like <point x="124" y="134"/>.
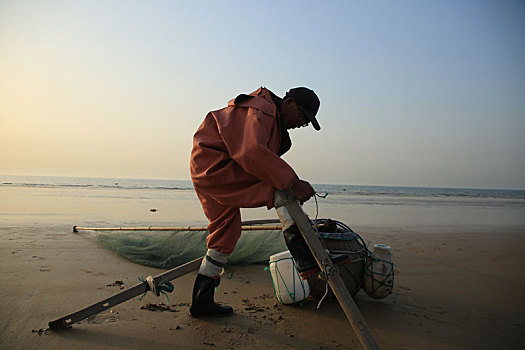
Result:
<point x="324" y="296"/>
<point x="157" y="288"/>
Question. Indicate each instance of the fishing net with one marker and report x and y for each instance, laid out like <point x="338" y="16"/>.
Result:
<point x="168" y="249"/>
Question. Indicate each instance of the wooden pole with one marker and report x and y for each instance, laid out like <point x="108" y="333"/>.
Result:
<point x="177" y="228"/>
<point x="249" y="225"/>
<point x="325" y="264"/>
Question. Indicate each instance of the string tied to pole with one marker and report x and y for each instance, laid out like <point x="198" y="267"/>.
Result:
<point x="157" y="287"/>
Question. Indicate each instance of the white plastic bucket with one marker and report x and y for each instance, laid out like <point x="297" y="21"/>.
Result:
<point x="288" y="285"/>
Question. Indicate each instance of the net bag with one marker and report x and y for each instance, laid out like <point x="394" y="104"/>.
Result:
<point x="379" y="273"/>
<point x="339" y="238"/>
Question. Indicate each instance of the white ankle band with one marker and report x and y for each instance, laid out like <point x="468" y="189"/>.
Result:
<point x="213" y="263"/>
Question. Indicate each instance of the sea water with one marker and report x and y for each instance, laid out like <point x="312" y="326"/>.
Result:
<point x="117" y="202"/>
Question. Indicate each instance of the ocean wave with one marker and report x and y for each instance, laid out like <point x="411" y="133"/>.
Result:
<point x="418" y="192"/>
<point x="101" y="186"/>
<point x="361" y="193"/>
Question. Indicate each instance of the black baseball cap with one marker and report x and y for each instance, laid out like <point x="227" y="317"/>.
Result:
<point x="308" y="103"/>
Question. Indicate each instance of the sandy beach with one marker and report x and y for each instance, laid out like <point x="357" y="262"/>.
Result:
<point x="459" y="281"/>
<point x="452" y="291"/>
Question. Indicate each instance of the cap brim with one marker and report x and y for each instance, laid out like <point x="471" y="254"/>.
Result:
<point x="314" y="122"/>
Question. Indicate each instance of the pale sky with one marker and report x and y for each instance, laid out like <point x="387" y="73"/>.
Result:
<point x="417" y="93"/>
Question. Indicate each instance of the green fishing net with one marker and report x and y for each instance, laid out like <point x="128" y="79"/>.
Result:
<point x="168" y="249"/>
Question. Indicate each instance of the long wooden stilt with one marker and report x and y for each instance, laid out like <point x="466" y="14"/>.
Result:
<point x="334" y="279"/>
<point x="69" y="320"/>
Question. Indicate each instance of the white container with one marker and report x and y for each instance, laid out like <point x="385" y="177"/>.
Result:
<point x="379" y="273"/>
<point x="288" y="285"/>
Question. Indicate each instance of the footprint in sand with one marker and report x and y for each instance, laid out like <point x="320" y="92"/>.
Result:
<point x="101" y="319"/>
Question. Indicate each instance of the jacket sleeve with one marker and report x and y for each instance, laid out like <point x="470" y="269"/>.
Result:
<point x="246" y="134"/>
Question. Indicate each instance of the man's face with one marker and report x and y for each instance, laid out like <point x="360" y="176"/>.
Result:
<point x="293" y="116"/>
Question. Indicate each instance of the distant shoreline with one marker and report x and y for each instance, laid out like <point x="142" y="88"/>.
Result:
<point x="118" y="182"/>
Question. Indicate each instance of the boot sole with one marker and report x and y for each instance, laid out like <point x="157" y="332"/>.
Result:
<point x="210" y="315"/>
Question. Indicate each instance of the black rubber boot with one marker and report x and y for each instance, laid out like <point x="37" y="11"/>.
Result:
<point x="202" y="303"/>
<point x="304" y="260"/>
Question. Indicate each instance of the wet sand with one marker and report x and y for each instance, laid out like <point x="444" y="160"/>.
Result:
<point x="453" y="290"/>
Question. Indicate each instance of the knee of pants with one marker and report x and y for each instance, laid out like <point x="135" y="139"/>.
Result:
<point x="225" y="231"/>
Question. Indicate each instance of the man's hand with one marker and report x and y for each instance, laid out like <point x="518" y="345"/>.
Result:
<point x="303" y="191"/>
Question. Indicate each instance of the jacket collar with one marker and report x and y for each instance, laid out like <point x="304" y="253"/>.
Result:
<point x="260" y="99"/>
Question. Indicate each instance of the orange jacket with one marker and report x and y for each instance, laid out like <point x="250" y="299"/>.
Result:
<point x="234" y="157"/>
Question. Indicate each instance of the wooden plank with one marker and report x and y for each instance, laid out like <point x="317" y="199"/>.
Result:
<point x="334" y="279"/>
<point x="69" y="320"/>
